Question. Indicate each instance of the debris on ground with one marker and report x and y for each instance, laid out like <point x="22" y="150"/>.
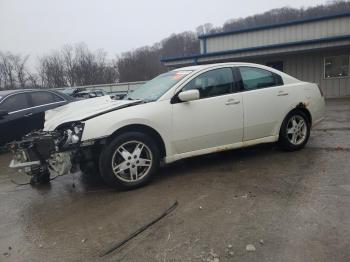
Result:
<point x="250" y="248"/>
<point x="213" y="257"/>
<point x="140" y="230"/>
<point x="211" y="253"/>
<point x="245" y="196"/>
<point x="40" y="246"/>
<point x="261" y="242"/>
<point x="339" y="147"/>
<point x="83" y="240"/>
<point x="229" y="251"/>
<point x="200" y="207"/>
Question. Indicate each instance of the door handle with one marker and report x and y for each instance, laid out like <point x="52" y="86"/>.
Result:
<point x="282" y="94"/>
<point x="29" y="114"/>
<point x="232" y="102"/>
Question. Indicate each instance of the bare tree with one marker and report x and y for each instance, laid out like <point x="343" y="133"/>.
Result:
<point x="76" y="65"/>
<point x="19" y="64"/>
<point x="13" y="71"/>
<point x="144" y="63"/>
<point x="286" y="14"/>
<point x="8" y="70"/>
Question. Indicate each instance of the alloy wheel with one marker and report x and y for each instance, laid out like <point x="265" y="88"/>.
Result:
<point x="132" y="161"/>
<point x="296" y="130"/>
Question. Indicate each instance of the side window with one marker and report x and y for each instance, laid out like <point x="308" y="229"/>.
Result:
<point x="213" y="83"/>
<point x="99" y="93"/>
<point x="41" y="98"/>
<point x="256" y="78"/>
<point x="57" y="98"/>
<point x="14" y="103"/>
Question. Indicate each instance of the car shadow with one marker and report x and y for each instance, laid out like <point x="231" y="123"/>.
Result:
<point x="219" y="161"/>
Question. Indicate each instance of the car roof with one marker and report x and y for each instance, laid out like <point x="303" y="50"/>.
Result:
<point x="12" y="91"/>
<point x="5" y="93"/>
<point x="197" y="68"/>
<point x="200" y="67"/>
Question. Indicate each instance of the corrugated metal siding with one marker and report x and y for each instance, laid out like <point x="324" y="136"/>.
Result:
<point x="201" y="45"/>
<point x="246" y="55"/>
<point x="279" y="35"/>
<point x="310" y="67"/>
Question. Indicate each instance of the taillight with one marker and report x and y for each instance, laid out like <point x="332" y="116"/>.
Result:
<point x="319" y="88"/>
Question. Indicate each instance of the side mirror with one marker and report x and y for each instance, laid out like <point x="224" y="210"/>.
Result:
<point x="3" y="113"/>
<point x="189" y="95"/>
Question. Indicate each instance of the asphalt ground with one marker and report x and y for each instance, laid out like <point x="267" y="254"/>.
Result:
<point x="287" y="206"/>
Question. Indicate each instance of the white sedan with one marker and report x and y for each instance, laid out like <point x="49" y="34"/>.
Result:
<point x="182" y="113"/>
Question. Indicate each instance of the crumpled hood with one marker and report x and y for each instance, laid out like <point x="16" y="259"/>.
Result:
<point x="81" y="109"/>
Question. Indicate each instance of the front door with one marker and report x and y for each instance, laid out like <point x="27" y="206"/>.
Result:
<point x="18" y="121"/>
<point x="216" y="119"/>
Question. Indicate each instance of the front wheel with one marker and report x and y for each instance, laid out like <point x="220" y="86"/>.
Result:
<point x="129" y="161"/>
<point x="295" y="131"/>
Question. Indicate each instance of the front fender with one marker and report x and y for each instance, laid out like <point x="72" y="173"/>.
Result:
<point x="155" y="115"/>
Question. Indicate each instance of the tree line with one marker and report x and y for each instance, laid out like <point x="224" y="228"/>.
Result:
<point x="75" y="65"/>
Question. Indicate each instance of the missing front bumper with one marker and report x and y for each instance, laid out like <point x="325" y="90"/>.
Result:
<point x="39" y="152"/>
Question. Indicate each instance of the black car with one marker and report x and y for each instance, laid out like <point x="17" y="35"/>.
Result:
<point x="71" y="91"/>
<point x="23" y="110"/>
<point x="89" y="94"/>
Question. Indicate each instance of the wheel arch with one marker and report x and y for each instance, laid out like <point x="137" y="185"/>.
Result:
<point x="302" y="107"/>
<point x="299" y="107"/>
<point x="142" y="129"/>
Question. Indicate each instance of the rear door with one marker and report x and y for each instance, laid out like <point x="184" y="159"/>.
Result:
<point x="42" y="101"/>
<point x="18" y="122"/>
<point x="265" y="99"/>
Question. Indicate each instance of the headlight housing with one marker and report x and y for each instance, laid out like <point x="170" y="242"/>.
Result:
<point x="72" y="133"/>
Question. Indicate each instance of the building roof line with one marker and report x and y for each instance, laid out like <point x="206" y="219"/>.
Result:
<point x="234" y="51"/>
<point x="294" y="22"/>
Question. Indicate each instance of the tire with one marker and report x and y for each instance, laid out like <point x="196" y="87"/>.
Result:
<point x="293" y="134"/>
<point x="129" y="161"/>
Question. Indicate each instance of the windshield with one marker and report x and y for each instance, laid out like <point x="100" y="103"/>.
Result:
<point x="68" y="91"/>
<point x="157" y="87"/>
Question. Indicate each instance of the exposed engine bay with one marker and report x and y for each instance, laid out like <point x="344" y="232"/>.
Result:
<point x="54" y="152"/>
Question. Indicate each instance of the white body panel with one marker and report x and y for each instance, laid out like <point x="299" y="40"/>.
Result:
<point x="193" y="127"/>
<point x="201" y="126"/>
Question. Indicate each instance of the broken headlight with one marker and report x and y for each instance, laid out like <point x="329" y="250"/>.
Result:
<point x="72" y="133"/>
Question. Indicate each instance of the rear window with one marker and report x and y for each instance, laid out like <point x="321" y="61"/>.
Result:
<point x="256" y="78"/>
<point x="42" y="98"/>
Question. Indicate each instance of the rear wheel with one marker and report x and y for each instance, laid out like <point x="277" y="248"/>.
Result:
<point x="129" y="161"/>
<point x="295" y="131"/>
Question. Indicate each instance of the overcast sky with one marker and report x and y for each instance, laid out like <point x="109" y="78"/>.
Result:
<point x="36" y="27"/>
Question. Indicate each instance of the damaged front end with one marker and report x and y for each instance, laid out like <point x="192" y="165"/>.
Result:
<point x="48" y="152"/>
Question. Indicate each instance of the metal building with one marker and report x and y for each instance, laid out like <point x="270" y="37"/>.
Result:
<point x="315" y="50"/>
